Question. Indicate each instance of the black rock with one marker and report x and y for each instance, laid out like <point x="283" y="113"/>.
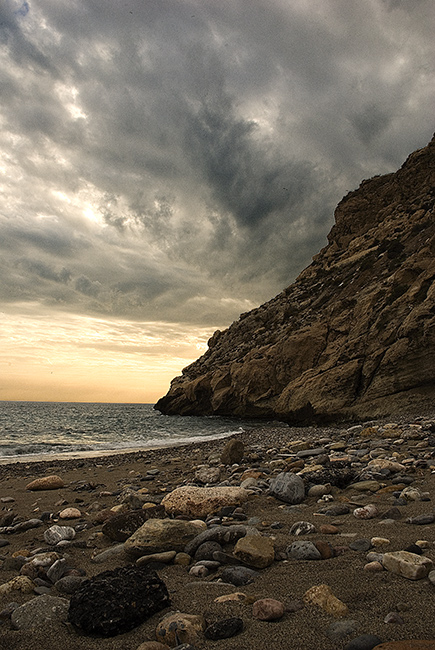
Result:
<point x="362" y="544"/>
<point x="421" y="520"/>
<point x="116" y="601"/>
<point x="414" y="548"/>
<point x="363" y="642"/>
<point x="224" y="629"/>
<point x="341" y="477"/>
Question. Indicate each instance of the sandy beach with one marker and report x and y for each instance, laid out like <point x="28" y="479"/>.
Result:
<point x="95" y="484"/>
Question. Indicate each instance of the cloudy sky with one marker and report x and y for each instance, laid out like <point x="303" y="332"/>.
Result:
<point x="168" y="164"/>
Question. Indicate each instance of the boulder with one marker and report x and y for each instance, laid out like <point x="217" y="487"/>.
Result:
<point x="288" y="487"/>
<point x="232" y="452"/>
<point x="120" y="527"/>
<point x="117" y="601"/>
<point x="202" y="501"/>
<point x="159" y="535"/>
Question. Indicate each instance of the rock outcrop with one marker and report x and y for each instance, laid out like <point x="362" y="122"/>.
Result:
<point x="353" y="336"/>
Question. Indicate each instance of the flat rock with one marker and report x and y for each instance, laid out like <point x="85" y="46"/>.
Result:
<point x="363" y="642"/>
<point x="303" y="550"/>
<point x="224" y="629"/>
<point x="202" y="501"/>
<point x="160" y="535"/>
<point x="238" y="575"/>
<point x="52" y="482"/>
<point x="408" y="565"/>
<point x="120" y="527"/>
<point x="40" y="611"/>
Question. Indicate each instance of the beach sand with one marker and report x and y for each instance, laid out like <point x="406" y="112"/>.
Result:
<point x="92" y="484"/>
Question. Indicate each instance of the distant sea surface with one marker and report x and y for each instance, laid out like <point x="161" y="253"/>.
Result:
<point x="53" y="428"/>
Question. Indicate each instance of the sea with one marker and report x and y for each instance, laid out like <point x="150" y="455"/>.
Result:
<point x="42" y="430"/>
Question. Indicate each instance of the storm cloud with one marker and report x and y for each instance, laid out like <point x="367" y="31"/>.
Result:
<point x="180" y="162"/>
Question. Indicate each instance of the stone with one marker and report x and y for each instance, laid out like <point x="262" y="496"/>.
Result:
<point x="39" y="612"/>
<point x="224" y="629"/>
<point x="318" y="491"/>
<point x="325" y="549"/>
<point x="220" y="534"/>
<point x="159" y="535"/>
<point x="378" y="464"/>
<point x="336" y="510"/>
<point x="431" y="576"/>
<point x="363" y="642"/>
<point x="198" y="502"/>
<point x="109" y="554"/>
<point x="280" y="361"/>
<point x="70" y="513"/>
<point x="408" y="565"/>
<point x="393" y="618"/>
<point x="22" y="584"/>
<point x="153" y="645"/>
<point x="165" y="557"/>
<point x="411" y="644"/>
<point x="360" y="544"/>
<point x="206" y="475"/>
<point x="370" y="511"/>
<point x="288" y="487"/>
<point x="114" y="602"/>
<point x="206" y="550"/>
<point x="56" y="534"/>
<point x="232" y="452"/>
<point x="379" y="541"/>
<point x="176" y="628"/>
<point x="328" y="529"/>
<point x="255" y="551"/>
<point x="237" y="596"/>
<point x="373" y="567"/>
<point x="303" y="550"/>
<point x="238" y="575"/>
<point x="268" y="609"/>
<point x="120" y="527"/>
<point x="52" y="482"/>
<point x="410" y="494"/>
<point x="366" y="486"/>
<point x="322" y="596"/>
<point x="69" y="584"/>
<point x="302" y="528"/>
<point x="421" y="520"/>
<point x="339" y="630"/>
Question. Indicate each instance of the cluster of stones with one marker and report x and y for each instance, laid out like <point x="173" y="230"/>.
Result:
<point x="202" y="526"/>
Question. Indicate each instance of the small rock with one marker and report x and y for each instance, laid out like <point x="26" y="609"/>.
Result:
<point x="202" y="501"/>
<point x="52" y="482"/>
<point x="394" y="618"/>
<point x="70" y="513"/>
<point x="379" y="541"/>
<point x="268" y="609"/>
<point x="302" y="528"/>
<point x="208" y="475"/>
<point x="363" y="642"/>
<point x="165" y="558"/>
<point x="360" y="545"/>
<point x="69" y="584"/>
<point x="176" y="628"/>
<point x="224" y="629"/>
<point x="22" y="584"/>
<point x="238" y="575"/>
<point x="370" y="511"/>
<point x="373" y="567"/>
<point x="421" y="520"/>
<point x="159" y="535"/>
<point x="237" y="596"/>
<point x="322" y="596"/>
<point x="325" y="549"/>
<point x="303" y="550"/>
<point x="339" y="630"/>
<point x="57" y="534"/>
<point x="328" y="529"/>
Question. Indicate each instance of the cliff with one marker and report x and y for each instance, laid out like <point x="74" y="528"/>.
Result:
<point x="353" y="336"/>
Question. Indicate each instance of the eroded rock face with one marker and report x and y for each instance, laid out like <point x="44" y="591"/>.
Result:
<point x="354" y="336"/>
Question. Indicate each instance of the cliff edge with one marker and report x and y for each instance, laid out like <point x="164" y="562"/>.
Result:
<point x="353" y="336"/>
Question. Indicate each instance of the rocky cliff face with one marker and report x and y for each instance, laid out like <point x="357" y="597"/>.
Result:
<point x="354" y="336"/>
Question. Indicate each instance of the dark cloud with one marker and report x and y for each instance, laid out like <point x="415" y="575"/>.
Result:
<point x="181" y="161"/>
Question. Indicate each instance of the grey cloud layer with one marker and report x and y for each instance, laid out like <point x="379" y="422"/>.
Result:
<point x="161" y="156"/>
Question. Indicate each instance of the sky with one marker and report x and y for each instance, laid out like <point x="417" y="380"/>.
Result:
<point x="166" y="165"/>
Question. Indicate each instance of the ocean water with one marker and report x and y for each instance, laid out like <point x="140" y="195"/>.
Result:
<point x="53" y="428"/>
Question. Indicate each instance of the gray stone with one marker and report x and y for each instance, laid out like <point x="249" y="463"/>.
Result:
<point x="360" y="544"/>
<point x="302" y="528"/>
<point x="39" y="612"/>
<point x="57" y="534"/>
<point x="239" y="575"/>
<point x="288" y="487"/>
<point x="363" y="642"/>
<point x="339" y="630"/>
<point x="69" y="584"/>
<point x="303" y="550"/>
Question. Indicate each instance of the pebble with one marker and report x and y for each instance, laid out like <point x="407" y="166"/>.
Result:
<point x="56" y="534"/>
<point x="370" y="511"/>
<point x="224" y="629"/>
<point x="322" y="596"/>
<point x="302" y="528"/>
<point x="52" y="482"/>
<point x="394" y="618"/>
<point x="268" y="609"/>
<point x="363" y="642"/>
<point x="303" y="550"/>
<point x="176" y="628"/>
<point x="360" y="545"/>
<point x="239" y="575"/>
